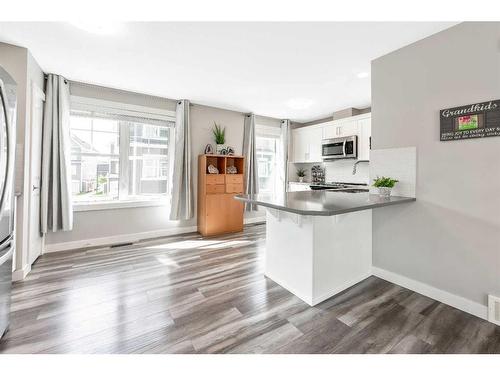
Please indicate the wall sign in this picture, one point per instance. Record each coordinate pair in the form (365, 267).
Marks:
(470, 121)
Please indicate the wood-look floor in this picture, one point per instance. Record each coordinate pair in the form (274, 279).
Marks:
(189, 294)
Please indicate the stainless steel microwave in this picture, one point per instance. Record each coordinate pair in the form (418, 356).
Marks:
(339, 148)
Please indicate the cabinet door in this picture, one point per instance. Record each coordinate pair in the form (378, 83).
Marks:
(330, 131)
(234, 214)
(299, 145)
(348, 128)
(216, 213)
(365, 132)
(314, 137)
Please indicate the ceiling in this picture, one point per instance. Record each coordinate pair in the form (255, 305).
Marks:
(300, 71)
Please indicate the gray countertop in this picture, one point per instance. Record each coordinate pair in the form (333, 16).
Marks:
(323, 202)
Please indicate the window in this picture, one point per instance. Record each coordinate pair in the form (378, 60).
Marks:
(116, 156)
(267, 143)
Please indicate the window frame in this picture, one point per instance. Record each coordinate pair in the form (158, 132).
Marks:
(273, 132)
(92, 104)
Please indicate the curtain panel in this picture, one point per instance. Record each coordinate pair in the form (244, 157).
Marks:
(182, 205)
(250, 154)
(56, 211)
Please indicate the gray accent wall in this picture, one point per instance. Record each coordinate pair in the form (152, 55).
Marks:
(450, 237)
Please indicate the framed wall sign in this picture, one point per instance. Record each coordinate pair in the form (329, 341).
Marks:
(470, 121)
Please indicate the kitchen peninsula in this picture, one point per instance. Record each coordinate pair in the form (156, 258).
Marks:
(319, 243)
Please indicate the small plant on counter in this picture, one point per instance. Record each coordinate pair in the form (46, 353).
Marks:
(301, 173)
(219, 134)
(384, 185)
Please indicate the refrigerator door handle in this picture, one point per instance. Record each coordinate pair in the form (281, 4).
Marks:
(3, 98)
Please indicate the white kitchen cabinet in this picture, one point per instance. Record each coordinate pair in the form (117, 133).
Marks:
(298, 186)
(306, 144)
(342, 128)
(365, 132)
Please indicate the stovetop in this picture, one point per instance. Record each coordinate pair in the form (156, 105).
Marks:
(336, 185)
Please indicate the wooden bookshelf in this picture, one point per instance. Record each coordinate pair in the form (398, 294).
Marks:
(218, 211)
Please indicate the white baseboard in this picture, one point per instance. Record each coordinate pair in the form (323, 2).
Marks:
(19, 275)
(113, 240)
(447, 298)
(133, 237)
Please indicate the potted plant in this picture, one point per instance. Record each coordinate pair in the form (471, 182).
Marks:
(220, 137)
(301, 173)
(384, 185)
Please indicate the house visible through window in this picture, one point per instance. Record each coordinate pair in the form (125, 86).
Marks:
(267, 142)
(116, 157)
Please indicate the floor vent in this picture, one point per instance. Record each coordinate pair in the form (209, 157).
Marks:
(494, 309)
(121, 244)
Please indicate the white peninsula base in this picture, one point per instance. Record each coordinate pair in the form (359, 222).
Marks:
(316, 257)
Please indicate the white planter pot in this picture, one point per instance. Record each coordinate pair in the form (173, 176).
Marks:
(384, 191)
(301, 179)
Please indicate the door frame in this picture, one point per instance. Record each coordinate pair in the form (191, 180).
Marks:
(36, 94)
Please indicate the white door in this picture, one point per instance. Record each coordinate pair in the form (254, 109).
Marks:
(35, 243)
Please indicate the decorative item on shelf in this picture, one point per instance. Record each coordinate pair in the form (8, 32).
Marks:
(384, 185)
(231, 170)
(209, 149)
(230, 150)
(212, 169)
(301, 173)
(223, 151)
(219, 137)
(317, 174)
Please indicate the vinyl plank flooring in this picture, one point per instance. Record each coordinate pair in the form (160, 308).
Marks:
(190, 294)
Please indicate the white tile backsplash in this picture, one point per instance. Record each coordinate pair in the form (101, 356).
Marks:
(341, 171)
(398, 163)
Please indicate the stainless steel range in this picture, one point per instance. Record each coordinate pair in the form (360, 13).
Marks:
(346, 187)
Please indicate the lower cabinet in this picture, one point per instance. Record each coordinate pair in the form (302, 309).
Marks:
(223, 214)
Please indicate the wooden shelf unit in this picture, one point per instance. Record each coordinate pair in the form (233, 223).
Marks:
(218, 211)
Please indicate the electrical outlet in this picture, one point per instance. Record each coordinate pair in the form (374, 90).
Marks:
(494, 309)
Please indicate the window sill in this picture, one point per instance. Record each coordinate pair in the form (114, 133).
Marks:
(116, 205)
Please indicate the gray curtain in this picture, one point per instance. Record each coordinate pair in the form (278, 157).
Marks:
(182, 185)
(56, 210)
(250, 154)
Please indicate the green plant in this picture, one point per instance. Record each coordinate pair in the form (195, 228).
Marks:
(384, 182)
(301, 172)
(219, 134)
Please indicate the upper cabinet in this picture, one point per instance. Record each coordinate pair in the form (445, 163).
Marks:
(340, 128)
(364, 138)
(306, 142)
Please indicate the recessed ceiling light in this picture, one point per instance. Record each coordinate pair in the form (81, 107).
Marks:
(98, 27)
(363, 75)
(300, 103)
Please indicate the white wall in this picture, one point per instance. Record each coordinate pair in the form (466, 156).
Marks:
(124, 222)
(450, 237)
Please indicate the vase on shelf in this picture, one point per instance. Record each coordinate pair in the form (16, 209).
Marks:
(301, 179)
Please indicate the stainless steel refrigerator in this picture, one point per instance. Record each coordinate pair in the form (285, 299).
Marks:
(8, 102)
